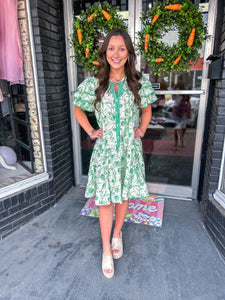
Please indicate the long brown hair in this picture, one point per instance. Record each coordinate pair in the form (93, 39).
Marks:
(132, 75)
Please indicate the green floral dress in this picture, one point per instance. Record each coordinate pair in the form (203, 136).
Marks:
(116, 170)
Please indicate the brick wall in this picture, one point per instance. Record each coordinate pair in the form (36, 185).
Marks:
(49, 39)
(19, 209)
(214, 214)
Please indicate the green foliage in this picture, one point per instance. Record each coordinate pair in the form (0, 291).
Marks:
(184, 21)
(91, 33)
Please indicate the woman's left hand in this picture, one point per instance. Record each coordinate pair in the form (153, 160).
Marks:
(138, 132)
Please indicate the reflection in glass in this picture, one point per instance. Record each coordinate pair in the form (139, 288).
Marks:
(169, 142)
(80, 5)
(191, 79)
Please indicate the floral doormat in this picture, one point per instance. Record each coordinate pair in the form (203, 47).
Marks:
(146, 211)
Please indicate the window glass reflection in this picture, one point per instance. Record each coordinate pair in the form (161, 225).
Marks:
(85, 4)
(169, 142)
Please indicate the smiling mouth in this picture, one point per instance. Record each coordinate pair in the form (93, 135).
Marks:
(116, 61)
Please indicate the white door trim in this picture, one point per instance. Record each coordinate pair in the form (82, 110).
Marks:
(72, 82)
(211, 27)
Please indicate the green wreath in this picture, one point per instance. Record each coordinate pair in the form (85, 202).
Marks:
(163, 17)
(98, 19)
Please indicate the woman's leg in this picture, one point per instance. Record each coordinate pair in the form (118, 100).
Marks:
(175, 137)
(120, 214)
(183, 130)
(106, 220)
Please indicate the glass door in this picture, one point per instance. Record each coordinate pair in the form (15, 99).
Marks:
(172, 151)
(82, 144)
(172, 143)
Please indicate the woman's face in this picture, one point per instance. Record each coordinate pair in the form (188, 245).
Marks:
(117, 53)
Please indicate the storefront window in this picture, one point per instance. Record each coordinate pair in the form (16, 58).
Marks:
(223, 181)
(219, 194)
(15, 135)
(20, 142)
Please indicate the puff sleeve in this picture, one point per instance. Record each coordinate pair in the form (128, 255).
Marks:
(147, 93)
(85, 95)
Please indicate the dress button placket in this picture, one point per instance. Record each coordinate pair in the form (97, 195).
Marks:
(117, 111)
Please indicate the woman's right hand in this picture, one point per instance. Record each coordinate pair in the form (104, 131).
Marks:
(97, 134)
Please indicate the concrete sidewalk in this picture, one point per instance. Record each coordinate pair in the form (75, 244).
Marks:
(57, 256)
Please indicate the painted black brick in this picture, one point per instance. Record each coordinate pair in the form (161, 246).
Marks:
(21, 197)
(21, 208)
(18, 208)
(215, 172)
(7, 203)
(214, 214)
(45, 205)
(10, 219)
(1, 206)
(23, 220)
(5, 229)
(14, 200)
(212, 186)
(217, 154)
(216, 162)
(220, 129)
(4, 214)
(50, 47)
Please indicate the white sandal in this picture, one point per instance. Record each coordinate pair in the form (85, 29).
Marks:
(107, 264)
(117, 244)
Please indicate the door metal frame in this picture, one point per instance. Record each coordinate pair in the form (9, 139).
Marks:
(176, 191)
(72, 83)
(211, 26)
(135, 8)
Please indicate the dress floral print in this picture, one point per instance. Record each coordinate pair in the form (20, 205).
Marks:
(116, 171)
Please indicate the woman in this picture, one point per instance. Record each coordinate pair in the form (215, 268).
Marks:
(116, 171)
(181, 114)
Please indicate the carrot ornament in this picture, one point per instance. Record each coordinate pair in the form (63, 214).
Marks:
(173, 6)
(176, 61)
(91, 17)
(157, 60)
(79, 32)
(191, 38)
(147, 37)
(79, 35)
(156, 16)
(87, 51)
(106, 15)
(96, 63)
(176, 6)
